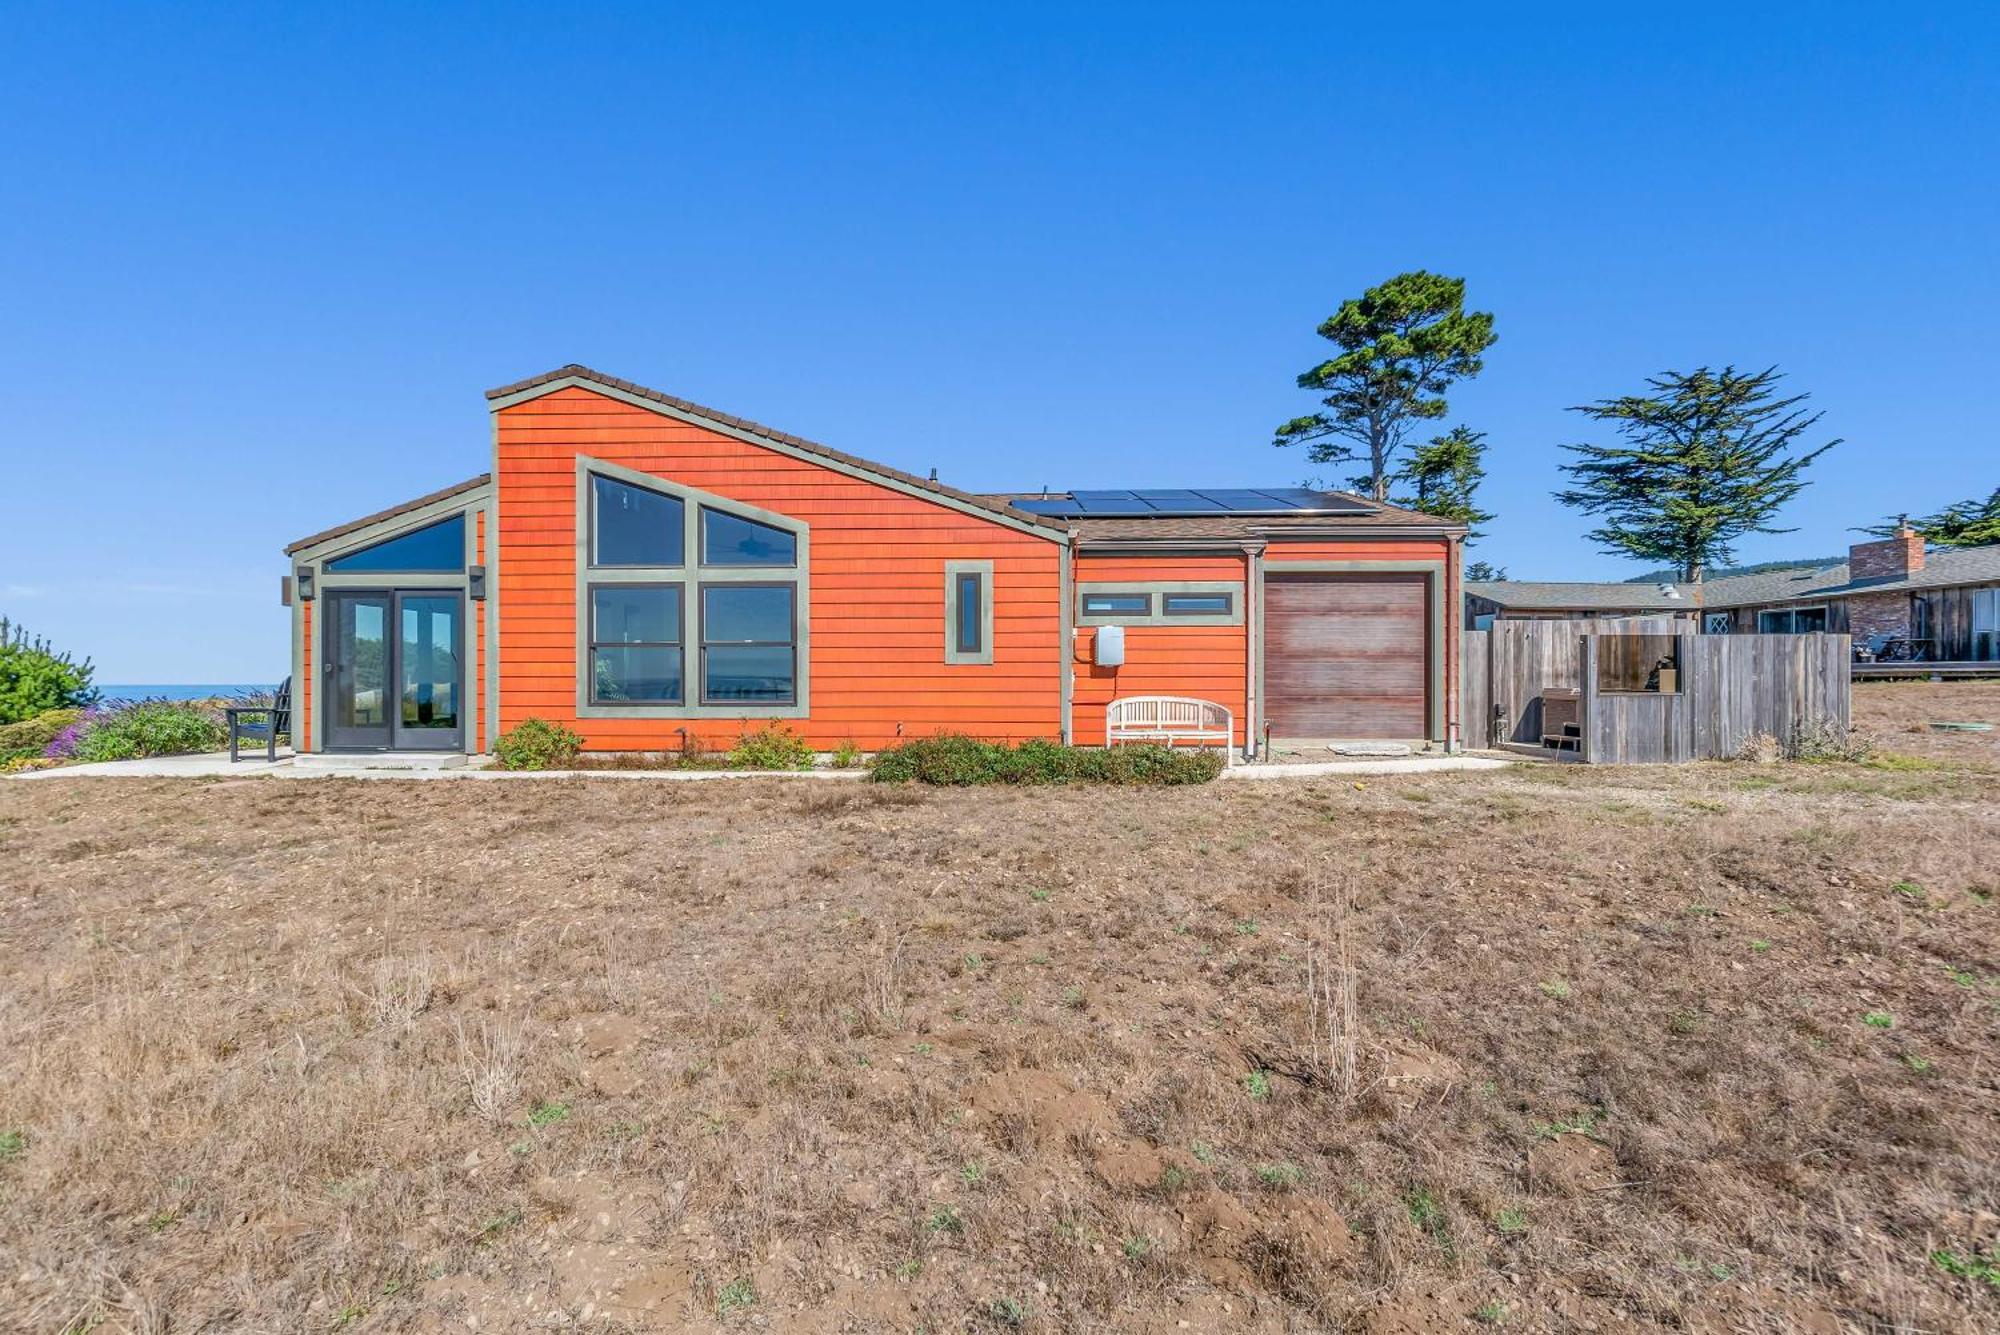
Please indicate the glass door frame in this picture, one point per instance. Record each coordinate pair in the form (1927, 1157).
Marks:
(392, 734)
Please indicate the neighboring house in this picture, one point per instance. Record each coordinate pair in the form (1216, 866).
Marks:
(1526, 600)
(1945, 602)
(646, 570)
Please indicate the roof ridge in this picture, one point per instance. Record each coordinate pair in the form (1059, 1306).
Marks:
(578, 371)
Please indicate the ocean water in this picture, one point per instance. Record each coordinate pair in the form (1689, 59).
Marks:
(182, 690)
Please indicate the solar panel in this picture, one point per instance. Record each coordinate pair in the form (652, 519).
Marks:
(1162, 501)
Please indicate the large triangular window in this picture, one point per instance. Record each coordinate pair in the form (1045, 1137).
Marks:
(688, 604)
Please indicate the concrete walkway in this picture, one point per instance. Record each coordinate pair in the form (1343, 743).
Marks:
(1307, 769)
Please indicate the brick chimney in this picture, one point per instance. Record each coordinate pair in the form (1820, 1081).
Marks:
(1891, 558)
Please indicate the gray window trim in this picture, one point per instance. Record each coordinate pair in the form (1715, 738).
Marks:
(701, 621)
(954, 571)
(1155, 592)
(692, 575)
(592, 644)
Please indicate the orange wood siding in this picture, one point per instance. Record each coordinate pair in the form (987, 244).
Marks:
(475, 713)
(877, 585)
(1207, 662)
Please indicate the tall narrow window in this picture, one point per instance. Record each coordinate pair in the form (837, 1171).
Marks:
(971, 598)
(968, 611)
(749, 644)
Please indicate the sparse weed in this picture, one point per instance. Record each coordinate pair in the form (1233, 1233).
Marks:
(1246, 927)
(1280, 1175)
(1979, 1265)
(1511, 1222)
(945, 1219)
(13, 1144)
(1137, 1247)
(1556, 988)
(1257, 1085)
(547, 1113)
(1879, 1020)
(737, 1295)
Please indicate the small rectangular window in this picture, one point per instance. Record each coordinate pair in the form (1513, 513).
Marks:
(1197, 604)
(967, 630)
(1641, 663)
(1117, 604)
(635, 644)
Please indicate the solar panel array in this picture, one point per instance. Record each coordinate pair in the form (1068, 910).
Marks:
(1162, 502)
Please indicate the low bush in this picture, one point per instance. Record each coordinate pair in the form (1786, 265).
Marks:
(144, 728)
(35, 679)
(30, 738)
(536, 743)
(773, 746)
(956, 760)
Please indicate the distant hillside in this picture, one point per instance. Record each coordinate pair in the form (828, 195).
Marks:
(1804, 563)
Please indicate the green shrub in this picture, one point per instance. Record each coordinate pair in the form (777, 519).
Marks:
(35, 678)
(29, 738)
(536, 743)
(773, 746)
(956, 760)
(151, 728)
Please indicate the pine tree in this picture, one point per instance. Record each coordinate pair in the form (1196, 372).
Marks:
(1973, 523)
(1402, 345)
(1707, 458)
(1442, 475)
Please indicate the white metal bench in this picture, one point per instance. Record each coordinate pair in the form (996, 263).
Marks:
(1169, 719)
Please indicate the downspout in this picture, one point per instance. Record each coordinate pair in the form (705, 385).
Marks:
(1066, 660)
(1253, 630)
(1454, 642)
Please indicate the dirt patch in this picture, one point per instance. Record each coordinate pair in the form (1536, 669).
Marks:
(1703, 1049)
(1896, 717)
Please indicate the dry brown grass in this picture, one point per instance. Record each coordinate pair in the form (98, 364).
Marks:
(601, 1055)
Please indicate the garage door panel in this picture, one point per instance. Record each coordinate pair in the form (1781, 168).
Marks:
(1347, 655)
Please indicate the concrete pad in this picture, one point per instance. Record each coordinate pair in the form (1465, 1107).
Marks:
(208, 765)
(1413, 765)
(351, 762)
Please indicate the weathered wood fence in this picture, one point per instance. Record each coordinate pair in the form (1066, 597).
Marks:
(1727, 688)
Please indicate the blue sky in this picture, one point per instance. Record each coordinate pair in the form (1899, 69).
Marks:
(257, 265)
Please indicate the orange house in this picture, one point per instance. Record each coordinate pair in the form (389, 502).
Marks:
(645, 570)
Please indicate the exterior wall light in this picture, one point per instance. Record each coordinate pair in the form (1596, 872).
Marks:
(475, 583)
(302, 580)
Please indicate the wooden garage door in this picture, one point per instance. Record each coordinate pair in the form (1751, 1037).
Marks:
(1347, 655)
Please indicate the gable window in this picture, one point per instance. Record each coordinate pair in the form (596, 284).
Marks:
(631, 526)
(434, 549)
(727, 540)
(749, 651)
(968, 611)
(689, 605)
(635, 643)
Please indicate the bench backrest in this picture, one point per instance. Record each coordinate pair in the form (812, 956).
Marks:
(1167, 712)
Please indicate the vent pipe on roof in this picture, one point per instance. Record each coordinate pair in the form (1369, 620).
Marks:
(933, 474)
(1669, 591)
